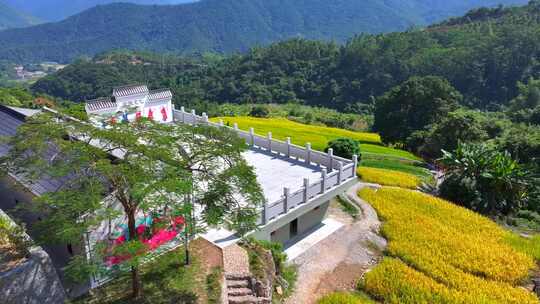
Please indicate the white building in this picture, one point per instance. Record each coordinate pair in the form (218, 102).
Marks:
(128, 103)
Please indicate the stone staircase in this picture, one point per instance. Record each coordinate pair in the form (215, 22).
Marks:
(238, 279)
(239, 290)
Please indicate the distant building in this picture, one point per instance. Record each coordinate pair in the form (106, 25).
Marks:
(129, 103)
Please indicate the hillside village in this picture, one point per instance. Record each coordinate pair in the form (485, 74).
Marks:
(397, 167)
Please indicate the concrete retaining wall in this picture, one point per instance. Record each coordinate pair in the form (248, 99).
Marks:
(34, 281)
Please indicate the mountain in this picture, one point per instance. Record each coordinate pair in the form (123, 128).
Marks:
(483, 54)
(217, 25)
(11, 17)
(56, 10)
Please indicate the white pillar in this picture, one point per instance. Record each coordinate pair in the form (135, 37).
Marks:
(235, 126)
(252, 136)
(269, 137)
(286, 193)
(323, 183)
(330, 160)
(264, 213)
(288, 143)
(308, 153)
(182, 110)
(355, 161)
(306, 187)
(205, 118)
(340, 172)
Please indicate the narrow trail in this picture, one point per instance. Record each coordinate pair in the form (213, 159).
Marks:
(337, 262)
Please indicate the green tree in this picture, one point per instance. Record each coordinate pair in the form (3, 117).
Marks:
(144, 166)
(484, 179)
(411, 106)
(526, 106)
(259, 111)
(344, 147)
(459, 126)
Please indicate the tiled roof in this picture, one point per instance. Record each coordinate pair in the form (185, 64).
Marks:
(130, 90)
(9, 122)
(100, 104)
(159, 94)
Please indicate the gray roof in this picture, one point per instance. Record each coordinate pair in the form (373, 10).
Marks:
(130, 90)
(99, 104)
(159, 95)
(10, 120)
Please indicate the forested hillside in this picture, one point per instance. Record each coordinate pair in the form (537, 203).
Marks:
(219, 25)
(56, 10)
(10, 17)
(484, 55)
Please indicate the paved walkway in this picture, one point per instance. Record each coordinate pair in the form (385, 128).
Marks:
(311, 239)
(339, 261)
(235, 260)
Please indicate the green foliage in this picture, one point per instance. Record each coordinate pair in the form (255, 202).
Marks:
(16, 97)
(526, 106)
(459, 126)
(213, 286)
(222, 176)
(11, 17)
(224, 26)
(345, 298)
(484, 179)
(472, 53)
(347, 206)
(283, 270)
(165, 279)
(259, 111)
(344, 147)
(522, 141)
(412, 106)
(14, 236)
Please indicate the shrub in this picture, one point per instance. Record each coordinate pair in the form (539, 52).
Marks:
(448, 254)
(14, 236)
(388, 177)
(259, 111)
(484, 179)
(344, 147)
(213, 286)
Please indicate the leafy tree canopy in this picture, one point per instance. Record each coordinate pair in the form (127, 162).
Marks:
(412, 106)
(344, 147)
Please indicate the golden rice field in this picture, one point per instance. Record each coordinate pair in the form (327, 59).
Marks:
(318, 136)
(443, 253)
(388, 177)
(345, 298)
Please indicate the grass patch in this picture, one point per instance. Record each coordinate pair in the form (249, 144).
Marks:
(388, 177)
(405, 166)
(346, 298)
(348, 207)
(213, 286)
(165, 280)
(444, 253)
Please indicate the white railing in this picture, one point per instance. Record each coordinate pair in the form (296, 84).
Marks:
(335, 171)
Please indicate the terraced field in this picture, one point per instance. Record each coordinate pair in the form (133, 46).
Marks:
(442, 253)
(374, 154)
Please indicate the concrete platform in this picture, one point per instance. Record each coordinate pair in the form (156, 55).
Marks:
(274, 172)
(300, 244)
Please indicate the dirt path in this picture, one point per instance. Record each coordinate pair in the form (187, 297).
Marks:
(337, 262)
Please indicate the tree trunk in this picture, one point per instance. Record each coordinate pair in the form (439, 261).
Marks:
(187, 259)
(135, 278)
(135, 282)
